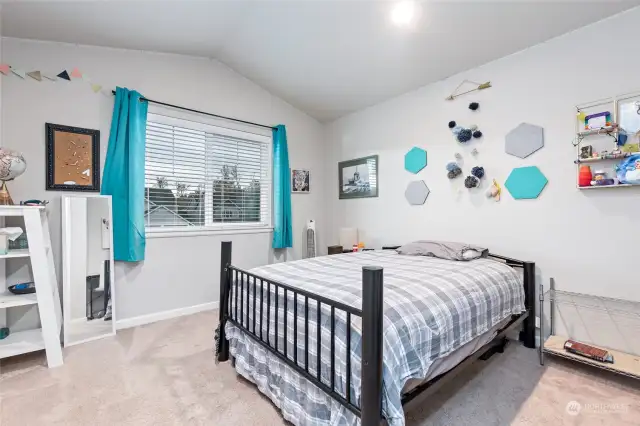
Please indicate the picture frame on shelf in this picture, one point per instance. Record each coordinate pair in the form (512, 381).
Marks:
(73, 158)
(300, 181)
(358, 178)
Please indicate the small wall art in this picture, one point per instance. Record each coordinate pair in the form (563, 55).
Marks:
(524, 140)
(300, 181)
(525, 182)
(358, 178)
(73, 158)
(415, 160)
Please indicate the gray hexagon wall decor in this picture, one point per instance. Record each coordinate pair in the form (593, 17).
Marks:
(524, 140)
(417, 192)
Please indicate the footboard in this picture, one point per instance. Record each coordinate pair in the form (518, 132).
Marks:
(245, 297)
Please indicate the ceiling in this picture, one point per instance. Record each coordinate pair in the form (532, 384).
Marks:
(326, 57)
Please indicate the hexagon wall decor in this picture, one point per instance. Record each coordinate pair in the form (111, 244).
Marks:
(525, 182)
(417, 192)
(524, 140)
(415, 160)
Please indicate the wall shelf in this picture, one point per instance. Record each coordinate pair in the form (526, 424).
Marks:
(599, 159)
(15, 253)
(621, 185)
(10, 300)
(21, 342)
(600, 131)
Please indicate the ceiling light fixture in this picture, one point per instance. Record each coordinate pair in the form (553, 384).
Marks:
(403, 13)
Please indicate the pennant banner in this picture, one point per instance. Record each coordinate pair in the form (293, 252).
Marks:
(64, 75)
(18, 72)
(76, 73)
(36, 75)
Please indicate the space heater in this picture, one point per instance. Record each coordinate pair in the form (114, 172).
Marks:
(311, 239)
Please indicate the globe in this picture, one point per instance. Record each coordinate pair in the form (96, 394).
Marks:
(12, 164)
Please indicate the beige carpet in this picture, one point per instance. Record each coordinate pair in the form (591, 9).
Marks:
(164, 374)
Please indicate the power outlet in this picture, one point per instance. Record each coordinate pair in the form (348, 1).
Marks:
(537, 322)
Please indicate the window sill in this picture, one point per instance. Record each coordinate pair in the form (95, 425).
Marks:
(199, 232)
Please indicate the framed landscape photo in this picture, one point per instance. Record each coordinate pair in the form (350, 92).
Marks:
(358, 178)
(73, 158)
(300, 181)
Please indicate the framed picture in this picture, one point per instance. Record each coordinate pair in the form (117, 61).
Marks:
(358, 178)
(300, 183)
(73, 158)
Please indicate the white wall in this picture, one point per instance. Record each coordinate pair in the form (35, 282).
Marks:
(178, 272)
(587, 240)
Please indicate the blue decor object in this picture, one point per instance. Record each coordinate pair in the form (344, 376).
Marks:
(452, 124)
(415, 160)
(123, 176)
(282, 222)
(464, 135)
(451, 166)
(478, 172)
(525, 182)
(457, 129)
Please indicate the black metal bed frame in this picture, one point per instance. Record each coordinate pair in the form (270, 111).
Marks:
(370, 408)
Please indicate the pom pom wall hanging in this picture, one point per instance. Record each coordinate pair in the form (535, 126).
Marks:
(478, 172)
(464, 136)
(473, 86)
(471, 182)
(494, 191)
(474, 106)
(453, 170)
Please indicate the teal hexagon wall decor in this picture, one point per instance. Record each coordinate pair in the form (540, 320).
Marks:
(525, 182)
(415, 160)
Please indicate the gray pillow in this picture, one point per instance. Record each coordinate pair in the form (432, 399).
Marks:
(443, 250)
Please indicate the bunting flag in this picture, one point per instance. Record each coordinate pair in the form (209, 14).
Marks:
(36, 75)
(64, 75)
(76, 73)
(18, 72)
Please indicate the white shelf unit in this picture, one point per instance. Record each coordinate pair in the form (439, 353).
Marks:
(606, 136)
(46, 298)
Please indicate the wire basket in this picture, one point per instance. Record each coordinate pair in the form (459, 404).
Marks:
(19, 243)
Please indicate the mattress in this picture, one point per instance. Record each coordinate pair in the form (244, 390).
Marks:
(432, 308)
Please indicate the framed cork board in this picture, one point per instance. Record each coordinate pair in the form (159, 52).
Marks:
(73, 158)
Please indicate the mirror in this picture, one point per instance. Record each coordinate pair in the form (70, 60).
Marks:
(87, 262)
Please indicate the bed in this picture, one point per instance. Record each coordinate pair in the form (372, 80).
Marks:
(380, 345)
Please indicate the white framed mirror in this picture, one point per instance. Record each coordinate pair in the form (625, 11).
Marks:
(87, 268)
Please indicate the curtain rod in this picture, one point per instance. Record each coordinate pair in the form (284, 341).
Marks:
(142, 98)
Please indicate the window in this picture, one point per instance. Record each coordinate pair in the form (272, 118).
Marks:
(199, 176)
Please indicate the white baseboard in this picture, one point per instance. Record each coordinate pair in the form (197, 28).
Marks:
(159, 316)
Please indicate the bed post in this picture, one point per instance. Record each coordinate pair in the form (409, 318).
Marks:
(225, 261)
(528, 333)
(372, 312)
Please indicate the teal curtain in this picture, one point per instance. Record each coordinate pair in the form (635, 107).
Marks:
(123, 176)
(282, 229)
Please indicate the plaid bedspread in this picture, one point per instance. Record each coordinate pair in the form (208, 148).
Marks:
(431, 308)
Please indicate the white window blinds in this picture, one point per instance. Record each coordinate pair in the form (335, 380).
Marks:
(198, 175)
